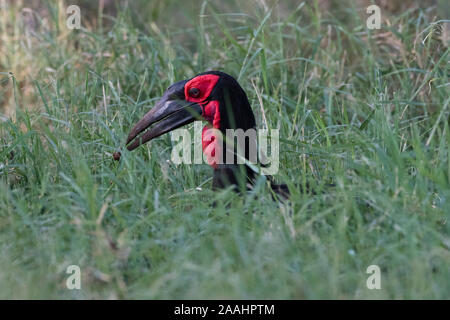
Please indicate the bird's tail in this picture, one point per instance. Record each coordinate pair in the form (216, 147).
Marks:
(282, 190)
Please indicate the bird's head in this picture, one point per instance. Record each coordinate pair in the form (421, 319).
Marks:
(213, 96)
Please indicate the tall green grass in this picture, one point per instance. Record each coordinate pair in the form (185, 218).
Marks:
(365, 109)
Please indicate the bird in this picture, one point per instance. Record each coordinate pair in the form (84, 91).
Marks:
(217, 98)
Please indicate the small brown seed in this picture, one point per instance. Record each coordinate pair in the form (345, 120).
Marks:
(116, 155)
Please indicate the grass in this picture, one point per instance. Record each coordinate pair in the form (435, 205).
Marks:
(365, 109)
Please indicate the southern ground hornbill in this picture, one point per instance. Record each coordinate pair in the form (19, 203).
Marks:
(217, 98)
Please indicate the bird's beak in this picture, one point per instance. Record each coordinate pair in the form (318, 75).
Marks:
(165, 116)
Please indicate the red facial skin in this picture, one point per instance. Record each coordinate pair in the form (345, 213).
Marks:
(210, 112)
(204, 83)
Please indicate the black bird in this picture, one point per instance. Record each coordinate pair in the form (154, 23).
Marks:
(216, 97)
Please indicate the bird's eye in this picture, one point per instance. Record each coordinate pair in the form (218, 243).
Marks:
(194, 92)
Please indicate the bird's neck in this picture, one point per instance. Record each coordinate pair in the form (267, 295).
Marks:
(220, 118)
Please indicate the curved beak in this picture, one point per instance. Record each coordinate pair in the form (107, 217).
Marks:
(165, 116)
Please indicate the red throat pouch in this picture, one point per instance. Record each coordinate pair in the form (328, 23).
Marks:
(212, 145)
(211, 141)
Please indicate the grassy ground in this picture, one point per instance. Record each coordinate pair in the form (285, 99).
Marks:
(365, 109)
